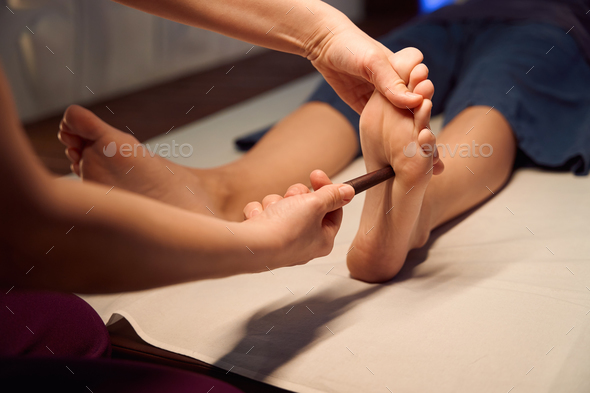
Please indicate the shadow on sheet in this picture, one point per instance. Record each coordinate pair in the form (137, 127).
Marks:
(293, 331)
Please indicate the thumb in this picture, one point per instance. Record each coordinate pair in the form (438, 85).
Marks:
(388, 82)
(333, 196)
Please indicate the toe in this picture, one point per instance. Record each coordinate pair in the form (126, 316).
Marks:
(422, 115)
(404, 62)
(427, 138)
(75, 168)
(427, 142)
(425, 89)
(83, 123)
(73, 154)
(418, 74)
(437, 164)
(70, 140)
(438, 168)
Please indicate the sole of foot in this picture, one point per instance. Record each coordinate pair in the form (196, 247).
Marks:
(394, 218)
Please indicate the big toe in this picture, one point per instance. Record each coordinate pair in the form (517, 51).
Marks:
(85, 124)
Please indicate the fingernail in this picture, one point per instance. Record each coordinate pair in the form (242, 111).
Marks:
(413, 95)
(255, 212)
(346, 192)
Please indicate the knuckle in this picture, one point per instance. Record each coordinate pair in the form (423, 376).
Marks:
(316, 203)
(334, 196)
(372, 55)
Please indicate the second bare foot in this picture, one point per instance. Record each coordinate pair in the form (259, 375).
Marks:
(94, 148)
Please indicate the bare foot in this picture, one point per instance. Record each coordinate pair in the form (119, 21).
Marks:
(394, 219)
(94, 148)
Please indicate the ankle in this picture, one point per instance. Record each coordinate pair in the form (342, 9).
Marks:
(220, 183)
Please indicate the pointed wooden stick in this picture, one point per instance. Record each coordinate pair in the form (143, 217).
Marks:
(364, 182)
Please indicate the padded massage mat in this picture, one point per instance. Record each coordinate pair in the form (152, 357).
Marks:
(497, 301)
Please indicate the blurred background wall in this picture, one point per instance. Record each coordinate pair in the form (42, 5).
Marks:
(110, 49)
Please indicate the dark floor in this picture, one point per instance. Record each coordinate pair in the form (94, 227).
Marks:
(154, 110)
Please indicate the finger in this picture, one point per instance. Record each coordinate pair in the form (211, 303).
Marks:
(418, 74)
(425, 89)
(390, 83)
(297, 189)
(319, 179)
(270, 199)
(252, 209)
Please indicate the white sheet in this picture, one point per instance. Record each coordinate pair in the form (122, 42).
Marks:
(498, 300)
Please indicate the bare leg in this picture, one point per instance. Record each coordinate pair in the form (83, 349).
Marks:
(315, 136)
(458, 189)
(286, 155)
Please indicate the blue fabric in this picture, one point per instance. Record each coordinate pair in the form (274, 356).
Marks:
(570, 15)
(484, 62)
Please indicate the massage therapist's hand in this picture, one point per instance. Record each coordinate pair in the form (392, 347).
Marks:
(354, 64)
(301, 225)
